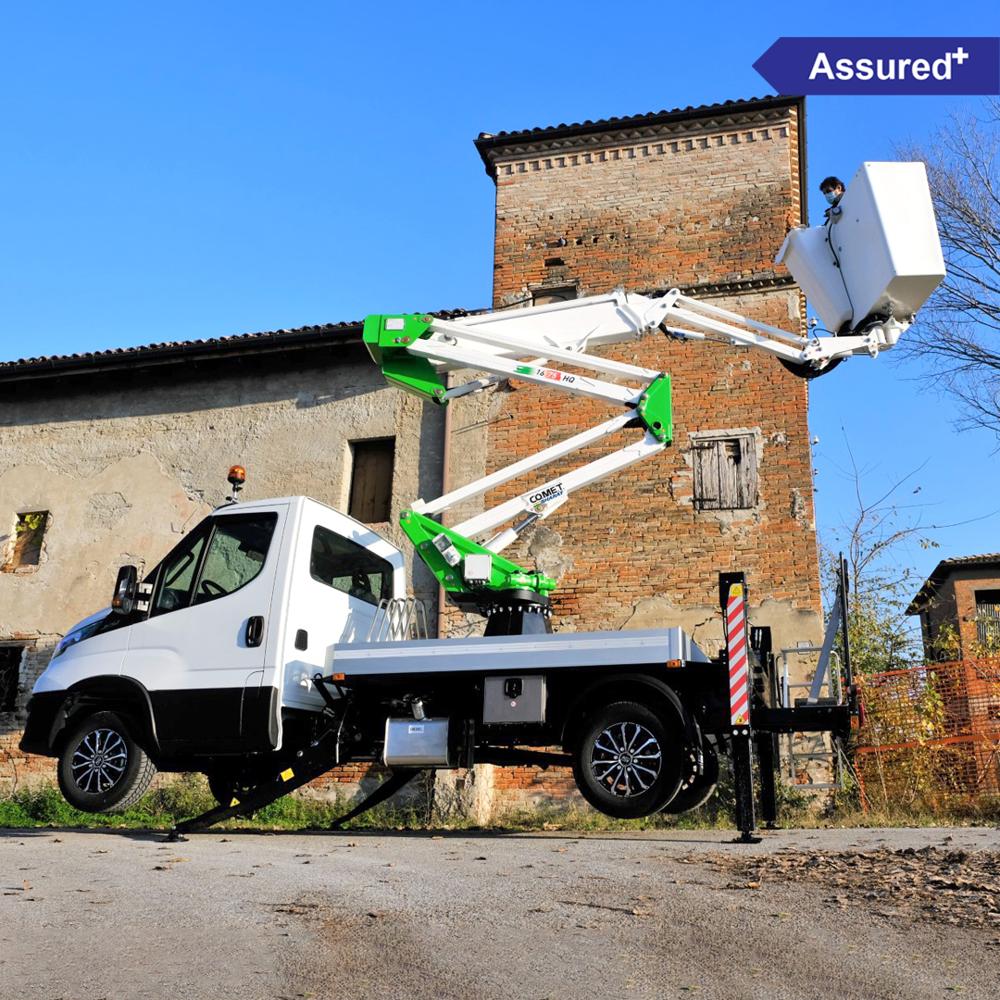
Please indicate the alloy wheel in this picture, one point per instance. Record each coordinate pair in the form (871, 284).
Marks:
(626, 759)
(99, 761)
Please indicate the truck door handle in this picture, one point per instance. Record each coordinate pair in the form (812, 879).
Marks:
(255, 630)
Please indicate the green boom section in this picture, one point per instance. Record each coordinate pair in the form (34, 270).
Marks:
(387, 339)
(505, 575)
(656, 411)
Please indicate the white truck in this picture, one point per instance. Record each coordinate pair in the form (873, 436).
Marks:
(276, 640)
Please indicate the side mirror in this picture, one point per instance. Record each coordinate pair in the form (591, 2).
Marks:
(126, 591)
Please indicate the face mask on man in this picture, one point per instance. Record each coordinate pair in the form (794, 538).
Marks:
(831, 197)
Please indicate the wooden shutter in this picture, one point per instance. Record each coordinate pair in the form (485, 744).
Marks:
(371, 479)
(725, 473)
(27, 545)
(707, 495)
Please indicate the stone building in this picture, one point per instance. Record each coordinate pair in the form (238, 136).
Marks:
(121, 452)
(106, 458)
(959, 608)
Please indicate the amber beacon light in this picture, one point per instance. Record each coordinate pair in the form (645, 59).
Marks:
(237, 477)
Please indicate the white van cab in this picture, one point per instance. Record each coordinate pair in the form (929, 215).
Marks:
(215, 661)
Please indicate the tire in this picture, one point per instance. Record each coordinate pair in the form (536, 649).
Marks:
(101, 766)
(699, 789)
(611, 776)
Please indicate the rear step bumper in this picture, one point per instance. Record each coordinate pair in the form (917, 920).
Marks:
(802, 719)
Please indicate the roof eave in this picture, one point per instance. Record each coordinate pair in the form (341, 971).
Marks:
(941, 572)
(187, 351)
(249, 345)
(486, 144)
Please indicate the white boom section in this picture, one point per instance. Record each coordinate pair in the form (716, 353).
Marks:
(496, 343)
(866, 272)
(563, 330)
(523, 343)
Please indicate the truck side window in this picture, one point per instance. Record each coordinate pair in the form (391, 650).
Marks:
(351, 568)
(237, 546)
(235, 554)
(177, 575)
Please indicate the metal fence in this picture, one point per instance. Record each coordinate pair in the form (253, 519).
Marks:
(930, 737)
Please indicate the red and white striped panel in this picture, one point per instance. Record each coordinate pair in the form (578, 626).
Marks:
(739, 663)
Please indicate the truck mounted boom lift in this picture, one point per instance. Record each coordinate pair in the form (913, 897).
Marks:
(276, 640)
(868, 280)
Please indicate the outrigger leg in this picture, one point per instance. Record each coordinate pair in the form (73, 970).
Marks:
(397, 778)
(309, 764)
(742, 756)
(733, 599)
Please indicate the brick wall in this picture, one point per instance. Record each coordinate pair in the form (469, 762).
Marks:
(705, 204)
(637, 534)
(967, 584)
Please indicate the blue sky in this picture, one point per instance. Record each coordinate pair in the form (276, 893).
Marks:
(190, 170)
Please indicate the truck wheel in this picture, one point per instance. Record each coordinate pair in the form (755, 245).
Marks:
(101, 767)
(700, 789)
(627, 762)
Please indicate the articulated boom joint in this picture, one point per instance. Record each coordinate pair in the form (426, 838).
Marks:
(389, 339)
(655, 409)
(463, 566)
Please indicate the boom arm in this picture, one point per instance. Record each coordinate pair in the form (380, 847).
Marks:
(416, 352)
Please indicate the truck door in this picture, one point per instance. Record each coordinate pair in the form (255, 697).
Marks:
(342, 569)
(201, 652)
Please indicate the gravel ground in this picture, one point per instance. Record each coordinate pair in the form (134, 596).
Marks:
(860, 914)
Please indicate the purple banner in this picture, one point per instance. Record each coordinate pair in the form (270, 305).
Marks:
(882, 65)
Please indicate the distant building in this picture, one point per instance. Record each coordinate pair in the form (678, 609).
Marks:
(959, 608)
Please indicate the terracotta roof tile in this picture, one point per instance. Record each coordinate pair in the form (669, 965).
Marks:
(115, 352)
(625, 120)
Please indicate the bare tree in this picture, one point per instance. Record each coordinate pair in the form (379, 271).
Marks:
(880, 580)
(958, 332)
(884, 521)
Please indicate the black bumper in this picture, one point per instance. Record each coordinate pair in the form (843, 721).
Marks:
(803, 719)
(45, 722)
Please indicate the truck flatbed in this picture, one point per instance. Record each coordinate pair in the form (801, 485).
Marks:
(552, 651)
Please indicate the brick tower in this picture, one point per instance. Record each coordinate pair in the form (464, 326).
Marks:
(698, 199)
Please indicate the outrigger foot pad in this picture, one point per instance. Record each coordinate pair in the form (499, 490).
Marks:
(397, 779)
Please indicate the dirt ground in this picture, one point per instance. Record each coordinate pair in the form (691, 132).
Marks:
(851, 913)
